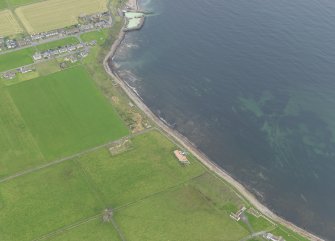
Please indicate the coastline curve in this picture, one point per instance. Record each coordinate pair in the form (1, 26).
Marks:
(179, 139)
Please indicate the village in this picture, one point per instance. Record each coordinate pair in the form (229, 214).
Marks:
(68, 53)
(86, 23)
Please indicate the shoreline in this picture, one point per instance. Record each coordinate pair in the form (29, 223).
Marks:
(188, 145)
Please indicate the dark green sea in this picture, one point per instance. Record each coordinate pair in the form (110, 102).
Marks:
(252, 84)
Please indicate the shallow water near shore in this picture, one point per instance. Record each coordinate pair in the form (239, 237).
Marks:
(251, 83)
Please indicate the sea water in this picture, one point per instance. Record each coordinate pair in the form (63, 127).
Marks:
(252, 84)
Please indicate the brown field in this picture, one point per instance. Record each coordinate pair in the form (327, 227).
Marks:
(8, 24)
(54, 14)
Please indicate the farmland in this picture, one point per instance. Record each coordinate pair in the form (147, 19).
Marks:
(16, 140)
(58, 173)
(15, 3)
(150, 191)
(8, 24)
(54, 14)
(67, 113)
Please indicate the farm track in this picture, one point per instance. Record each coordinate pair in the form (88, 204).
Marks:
(79, 154)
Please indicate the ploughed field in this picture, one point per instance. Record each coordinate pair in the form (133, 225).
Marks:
(35, 16)
(54, 14)
(8, 24)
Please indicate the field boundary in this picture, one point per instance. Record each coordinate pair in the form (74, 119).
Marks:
(79, 154)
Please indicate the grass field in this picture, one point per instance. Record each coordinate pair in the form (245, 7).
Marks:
(48, 67)
(66, 113)
(151, 192)
(43, 201)
(100, 36)
(54, 14)
(58, 43)
(18, 147)
(16, 59)
(93, 230)
(3, 5)
(8, 24)
(181, 214)
(148, 168)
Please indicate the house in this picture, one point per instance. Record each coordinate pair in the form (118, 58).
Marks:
(84, 54)
(71, 48)
(46, 55)
(23, 42)
(54, 52)
(79, 46)
(71, 31)
(36, 36)
(62, 50)
(73, 59)
(37, 56)
(181, 157)
(25, 70)
(9, 75)
(11, 44)
(51, 34)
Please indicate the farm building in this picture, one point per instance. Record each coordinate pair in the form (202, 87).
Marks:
(181, 157)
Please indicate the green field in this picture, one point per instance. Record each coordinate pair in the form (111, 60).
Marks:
(48, 67)
(16, 59)
(3, 5)
(18, 147)
(100, 36)
(58, 43)
(148, 168)
(150, 191)
(93, 230)
(66, 113)
(48, 199)
(181, 214)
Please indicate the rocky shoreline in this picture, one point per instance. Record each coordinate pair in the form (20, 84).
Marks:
(186, 144)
